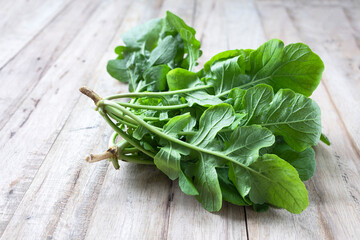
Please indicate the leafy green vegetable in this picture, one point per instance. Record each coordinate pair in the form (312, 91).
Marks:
(163, 41)
(303, 162)
(240, 130)
(294, 66)
(288, 114)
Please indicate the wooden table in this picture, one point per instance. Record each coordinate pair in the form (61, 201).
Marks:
(48, 49)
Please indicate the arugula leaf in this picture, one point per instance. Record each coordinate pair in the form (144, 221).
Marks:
(228, 190)
(163, 41)
(168, 158)
(155, 78)
(288, 114)
(303, 162)
(225, 74)
(245, 143)
(191, 44)
(325, 139)
(206, 180)
(215, 129)
(186, 185)
(144, 36)
(295, 67)
(179, 78)
(165, 51)
(274, 181)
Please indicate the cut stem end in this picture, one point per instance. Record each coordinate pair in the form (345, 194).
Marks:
(110, 153)
(91, 94)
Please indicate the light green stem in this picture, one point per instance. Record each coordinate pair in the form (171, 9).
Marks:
(156, 94)
(124, 135)
(172, 139)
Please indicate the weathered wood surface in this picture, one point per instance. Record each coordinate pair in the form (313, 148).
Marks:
(50, 48)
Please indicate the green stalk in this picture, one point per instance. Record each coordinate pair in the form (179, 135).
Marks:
(155, 94)
(136, 106)
(124, 122)
(124, 135)
(172, 139)
(242, 86)
(130, 150)
(135, 159)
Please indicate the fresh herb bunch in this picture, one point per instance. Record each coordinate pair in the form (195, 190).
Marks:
(240, 130)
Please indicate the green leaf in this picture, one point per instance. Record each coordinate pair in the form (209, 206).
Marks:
(155, 78)
(256, 100)
(289, 114)
(202, 98)
(295, 67)
(206, 180)
(179, 78)
(118, 69)
(237, 94)
(303, 162)
(165, 52)
(228, 190)
(273, 180)
(245, 143)
(186, 185)
(176, 124)
(169, 156)
(226, 75)
(211, 122)
(325, 139)
(221, 56)
(191, 44)
(207, 183)
(144, 36)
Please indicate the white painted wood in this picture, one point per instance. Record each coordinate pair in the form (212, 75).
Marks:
(23, 23)
(333, 191)
(330, 34)
(187, 218)
(30, 133)
(21, 74)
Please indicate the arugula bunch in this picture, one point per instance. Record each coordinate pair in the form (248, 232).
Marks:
(240, 130)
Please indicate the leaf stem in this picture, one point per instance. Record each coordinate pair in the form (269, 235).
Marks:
(172, 139)
(241, 86)
(111, 152)
(128, 138)
(91, 94)
(156, 94)
(149, 107)
(136, 159)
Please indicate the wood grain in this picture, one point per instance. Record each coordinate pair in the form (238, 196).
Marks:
(32, 130)
(22, 22)
(229, 222)
(333, 191)
(23, 72)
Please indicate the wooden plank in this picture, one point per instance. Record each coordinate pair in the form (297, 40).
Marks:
(353, 16)
(187, 218)
(23, 23)
(135, 206)
(141, 203)
(333, 191)
(60, 200)
(32, 130)
(21, 74)
(336, 45)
